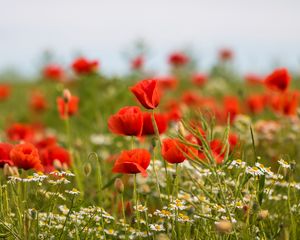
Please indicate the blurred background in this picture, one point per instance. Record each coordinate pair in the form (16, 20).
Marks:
(262, 34)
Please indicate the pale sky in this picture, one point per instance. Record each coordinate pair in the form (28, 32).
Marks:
(260, 31)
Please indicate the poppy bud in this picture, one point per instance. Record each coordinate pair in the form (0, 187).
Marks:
(57, 164)
(10, 170)
(87, 169)
(180, 128)
(67, 95)
(119, 186)
(263, 214)
(223, 226)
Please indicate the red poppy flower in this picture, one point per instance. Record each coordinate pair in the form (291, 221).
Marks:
(137, 63)
(178, 59)
(231, 107)
(279, 80)
(84, 66)
(26, 156)
(4, 92)
(67, 107)
(54, 152)
(225, 54)
(38, 102)
(132, 162)
(256, 103)
(54, 72)
(191, 98)
(199, 79)
(20, 131)
(46, 142)
(127, 121)
(167, 82)
(5, 149)
(173, 151)
(161, 122)
(147, 93)
(286, 103)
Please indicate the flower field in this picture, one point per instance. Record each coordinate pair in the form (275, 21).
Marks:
(188, 155)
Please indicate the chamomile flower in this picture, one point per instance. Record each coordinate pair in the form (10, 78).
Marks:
(284, 164)
(157, 227)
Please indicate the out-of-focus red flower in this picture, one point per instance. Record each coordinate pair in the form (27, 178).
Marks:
(46, 142)
(191, 98)
(225, 54)
(147, 93)
(137, 63)
(20, 132)
(4, 91)
(286, 103)
(173, 110)
(53, 72)
(132, 162)
(178, 59)
(253, 79)
(233, 140)
(173, 151)
(231, 107)
(256, 103)
(26, 156)
(161, 122)
(278, 80)
(52, 153)
(38, 102)
(5, 149)
(167, 82)
(67, 107)
(127, 121)
(199, 79)
(84, 66)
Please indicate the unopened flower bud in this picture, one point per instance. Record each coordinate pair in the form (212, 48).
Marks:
(57, 164)
(223, 226)
(10, 170)
(119, 186)
(263, 214)
(67, 95)
(181, 129)
(87, 169)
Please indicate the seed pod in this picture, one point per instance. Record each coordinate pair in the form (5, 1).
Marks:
(223, 226)
(119, 186)
(87, 169)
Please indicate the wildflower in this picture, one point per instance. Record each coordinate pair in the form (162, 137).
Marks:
(237, 163)
(173, 151)
(225, 54)
(53, 72)
(74, 191)
(55, 154)
(141, 208)
(278, 80)
(5, 149)
(38, 102)
(132, 162)
(167, 82)
(164, 213)
(254, 171)
(157, 227)
(137, 63)
(127, 121)
(284, 164)
(20, 131)
(119, 186)
(184, 218)
(26, 156)
(160, 120)
(111, 232)
(84, 66)
(147, 93)
(263, 214)
(4, 91)
(67, 108)
(199, 79)
(178, 204)
(178, 59)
